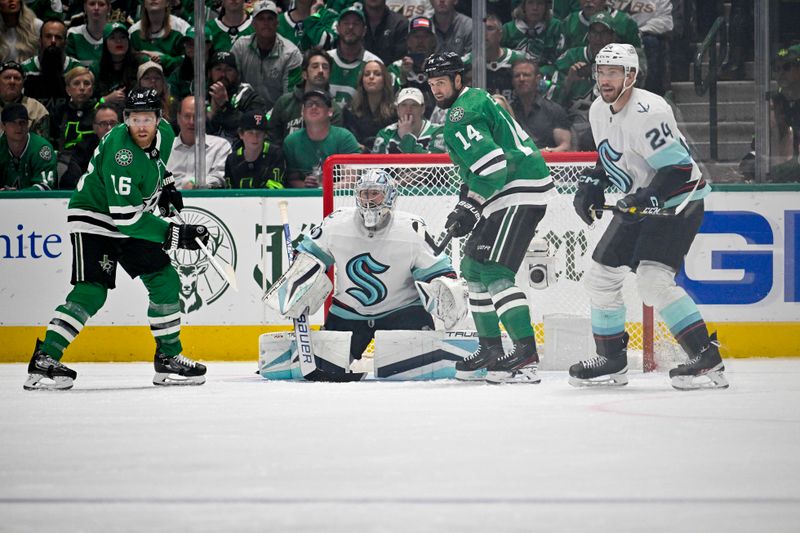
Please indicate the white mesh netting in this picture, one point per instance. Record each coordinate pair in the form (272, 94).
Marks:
(429, 187)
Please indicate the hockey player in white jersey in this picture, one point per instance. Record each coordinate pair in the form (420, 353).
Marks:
(642, 153)
(388, 277)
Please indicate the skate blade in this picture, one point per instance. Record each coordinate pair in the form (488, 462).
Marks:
(471, 375)
(526, 374)
(40, 382)
(165, 379)
(713, 379)
(610, 380)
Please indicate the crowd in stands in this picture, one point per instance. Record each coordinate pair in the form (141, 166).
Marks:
(292, 82)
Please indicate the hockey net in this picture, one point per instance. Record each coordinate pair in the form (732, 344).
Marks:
(429, 185)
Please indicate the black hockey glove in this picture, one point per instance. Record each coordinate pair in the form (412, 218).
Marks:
(466, 214)
(589, 199)
(643, 200)
(183, 236)
(170, 196)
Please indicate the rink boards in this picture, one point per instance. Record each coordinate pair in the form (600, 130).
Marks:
(742, 270)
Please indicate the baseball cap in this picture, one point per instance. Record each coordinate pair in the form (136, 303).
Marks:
(222, 58)
(111, 27)
(13, 112)
(12, 65)
(421, 23)
(410, 93)
(352, 9)
(144, 67)
(253, 121)
(316, 93)
(605, 19)
(264, 5)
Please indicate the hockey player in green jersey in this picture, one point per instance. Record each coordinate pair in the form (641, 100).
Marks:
(111, 221)
(27, 160)
(506, 186)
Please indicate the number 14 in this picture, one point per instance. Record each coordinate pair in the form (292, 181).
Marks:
(472, 134)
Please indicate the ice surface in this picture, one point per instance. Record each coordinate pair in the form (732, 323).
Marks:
(244, 454)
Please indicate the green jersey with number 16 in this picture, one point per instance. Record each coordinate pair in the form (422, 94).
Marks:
(496, 158)
(118, 193)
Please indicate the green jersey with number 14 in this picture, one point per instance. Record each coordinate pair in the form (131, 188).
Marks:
(496, 158)
(118, 193)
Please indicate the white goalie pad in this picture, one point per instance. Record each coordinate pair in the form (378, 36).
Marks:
(304, 286)
(445, 299)
(278, 358)
(410, 355)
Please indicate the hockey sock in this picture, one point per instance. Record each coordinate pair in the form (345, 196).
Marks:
(608, 327)
(510, 302)
(164, 310)
(487, 323)
(83, 301)
(684, 321)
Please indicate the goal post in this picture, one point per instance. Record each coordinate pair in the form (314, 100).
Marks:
(428, 186)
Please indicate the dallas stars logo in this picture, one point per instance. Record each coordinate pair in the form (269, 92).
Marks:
(106, 264)
(123, 157)
(456, 114)
(45, 153)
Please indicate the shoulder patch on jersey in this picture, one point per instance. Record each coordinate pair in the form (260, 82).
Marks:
(46, 153)
(643, 108)
(316, 232)
(123, 157)
(456, 114)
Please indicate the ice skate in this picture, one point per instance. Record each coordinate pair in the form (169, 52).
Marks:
(600, 370)
(518, 366)
(473, 367)
(45, 373)
(178, 370)
(703, 371)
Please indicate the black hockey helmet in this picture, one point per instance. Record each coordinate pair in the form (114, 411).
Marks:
(143, 100)
(444, 64)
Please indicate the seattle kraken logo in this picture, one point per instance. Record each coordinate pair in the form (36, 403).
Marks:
(608, 157)
(361, 270)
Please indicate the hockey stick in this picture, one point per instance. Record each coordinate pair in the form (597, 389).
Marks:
(439, 248)
(302, 332)
(654, 211)
(223, 269)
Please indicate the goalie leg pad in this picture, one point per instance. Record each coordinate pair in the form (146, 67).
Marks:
(410, 355)
(278, 358)
(304, 286)
(445, 298)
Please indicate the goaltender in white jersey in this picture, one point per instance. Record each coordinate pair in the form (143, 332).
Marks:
(387, 274)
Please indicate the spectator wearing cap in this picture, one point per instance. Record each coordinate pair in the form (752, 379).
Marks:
(228, 97)
(150, 75)
(412, 133)
(181, 162)
(545, 121)
(306, 149)
(576, 26)
(44, 73)
(267, 61)
(232, 23)
(372, 107)
(104, 117)
(386, 31)
(535, 32)
(11, 81)
(85, 41)
(27, 160)
(453, 29)
(118, 69)
(499, 60)
(158, 34)
(19, 32)
(572, 85)
(73, 119)
(181, 81)
(349, 56)
(257, 163)
(287, 114)
(409, 71)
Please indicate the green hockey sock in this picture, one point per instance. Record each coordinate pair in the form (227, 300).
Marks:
(164, 310)
(83, 301)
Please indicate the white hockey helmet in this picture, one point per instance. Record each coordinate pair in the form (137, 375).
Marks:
(375, 193)
(618, 55)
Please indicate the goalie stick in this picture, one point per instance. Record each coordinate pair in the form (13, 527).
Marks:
(439, 248)
(223, 269)
(302, 328)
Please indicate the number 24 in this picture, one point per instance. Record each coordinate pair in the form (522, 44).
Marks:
(656, 141)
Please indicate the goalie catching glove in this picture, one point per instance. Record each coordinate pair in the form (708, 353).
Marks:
(444, 298)
(303, 287)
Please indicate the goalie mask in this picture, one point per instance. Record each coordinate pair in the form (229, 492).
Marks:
(375, 195)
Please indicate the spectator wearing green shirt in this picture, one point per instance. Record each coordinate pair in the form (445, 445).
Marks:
(158, 35)
(306, 149)
(499, 60)
(27, 160)
(535, 32)
(576, 25)
(85, 42)
(233, 22)
(412, 133)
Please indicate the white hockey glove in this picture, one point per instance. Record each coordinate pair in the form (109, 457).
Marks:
(304, 286)
(445, 298)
